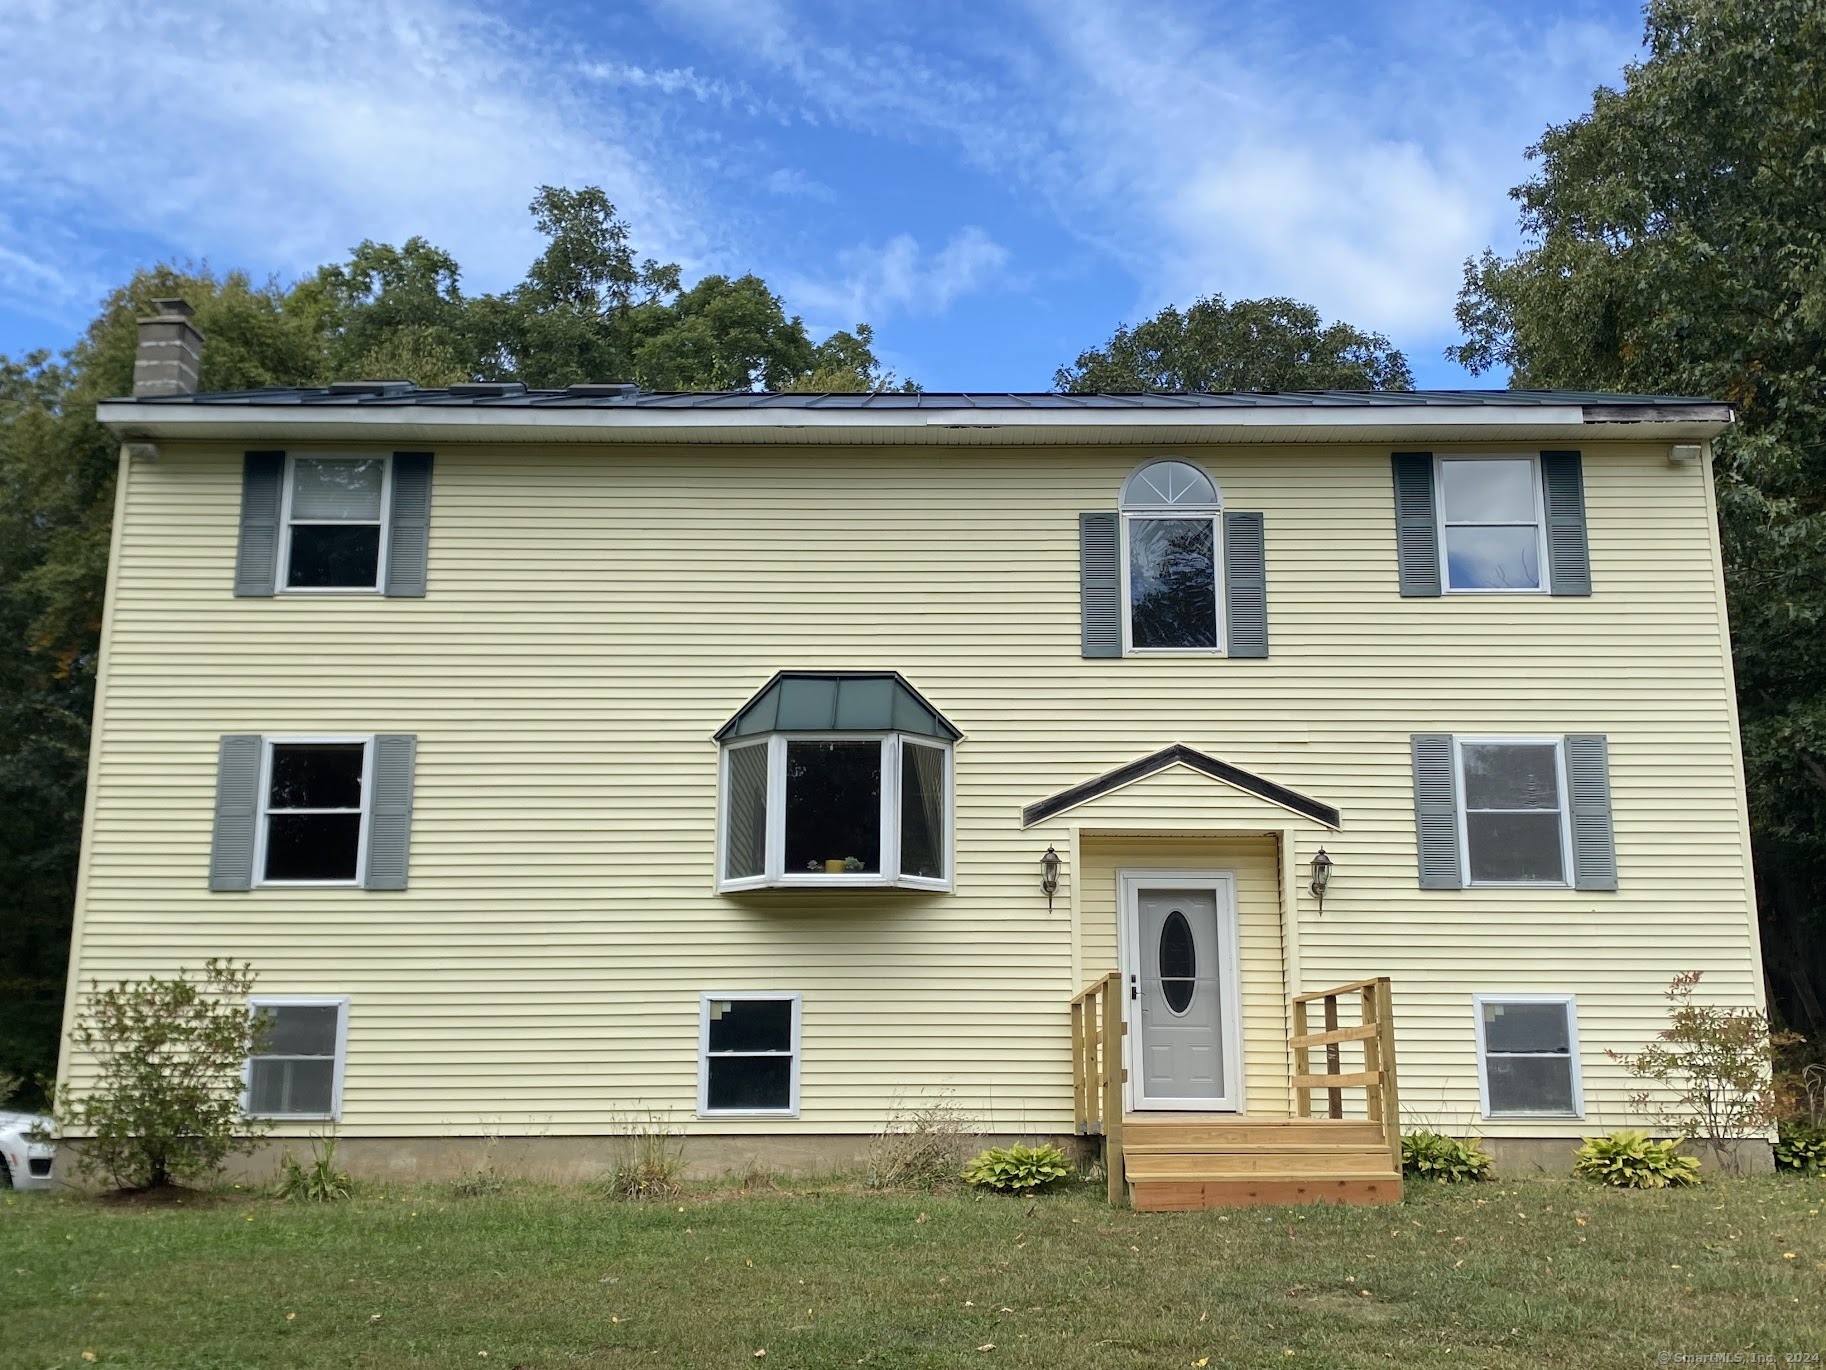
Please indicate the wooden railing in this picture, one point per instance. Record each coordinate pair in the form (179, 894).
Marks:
(1374, 1032)
(1097, 1074)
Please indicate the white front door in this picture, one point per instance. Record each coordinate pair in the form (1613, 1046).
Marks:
(1181, 985)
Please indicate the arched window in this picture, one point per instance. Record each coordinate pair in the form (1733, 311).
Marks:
(1172, 551)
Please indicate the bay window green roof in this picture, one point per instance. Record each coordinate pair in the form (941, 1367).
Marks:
(838, 702)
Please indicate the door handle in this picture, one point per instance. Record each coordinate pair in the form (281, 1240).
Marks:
(1134, 986)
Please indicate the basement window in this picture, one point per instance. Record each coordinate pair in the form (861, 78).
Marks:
(295, 1070)
(1528, 1054)
(836, 781)
(748, 1054)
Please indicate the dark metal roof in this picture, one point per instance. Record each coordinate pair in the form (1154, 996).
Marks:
(512, 395)
(837, 702)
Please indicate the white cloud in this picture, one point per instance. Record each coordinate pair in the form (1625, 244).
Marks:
(898, 277)
(792, 182)
(277, 135)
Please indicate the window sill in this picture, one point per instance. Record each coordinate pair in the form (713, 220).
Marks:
(294, 1117)
(1175, 651)
(1541, 592)
(1517, 885)
(307, 885)
(1534, 1117)
(835, 882)
(714, 1113)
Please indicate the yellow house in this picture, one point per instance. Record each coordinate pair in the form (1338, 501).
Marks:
(768, 763)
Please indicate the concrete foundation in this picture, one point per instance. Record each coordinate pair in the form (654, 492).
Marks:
(1530, 1156)
(572, 1160)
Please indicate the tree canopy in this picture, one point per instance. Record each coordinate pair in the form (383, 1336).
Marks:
(1267, 344)
(587, 310)
(1675, 242)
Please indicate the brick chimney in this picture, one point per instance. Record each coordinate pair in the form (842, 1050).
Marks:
(170, 351)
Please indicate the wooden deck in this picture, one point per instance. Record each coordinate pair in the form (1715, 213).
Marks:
(1175, 1161)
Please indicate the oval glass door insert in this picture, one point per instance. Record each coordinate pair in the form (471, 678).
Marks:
(1178, 962)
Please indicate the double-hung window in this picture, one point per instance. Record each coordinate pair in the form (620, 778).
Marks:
(295, 1069)
(1172, 555)
(1512, 810)
(748, 1053)
(1492, 528)
(836, 779)
(314, 810)
(335, 527)
(1528, 1055)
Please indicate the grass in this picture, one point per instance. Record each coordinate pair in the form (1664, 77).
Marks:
(1541, 1272)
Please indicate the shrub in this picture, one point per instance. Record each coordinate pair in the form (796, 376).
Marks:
(319, 1182)
(1801, 1146)
(922, 1147)
(1715, 1062)
(165, 1101)
(1448, 1160)
(9, 1085)
(651, 1162)
(1018, 1169)
(1630, 1160)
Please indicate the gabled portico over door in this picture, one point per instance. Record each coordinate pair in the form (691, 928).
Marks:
(1178, 946)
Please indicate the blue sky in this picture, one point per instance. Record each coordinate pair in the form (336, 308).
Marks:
(993, 185)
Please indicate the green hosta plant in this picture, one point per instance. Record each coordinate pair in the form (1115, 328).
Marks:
(1018, 1169)
(1449, 1160)
(1631, 1160)
(1801, 1146)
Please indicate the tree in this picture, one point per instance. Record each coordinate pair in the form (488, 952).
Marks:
(1675, 242)
(1268, 344)
(165, 1103)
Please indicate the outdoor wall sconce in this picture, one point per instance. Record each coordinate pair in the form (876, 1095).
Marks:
(1321, 877)
(1049, 876)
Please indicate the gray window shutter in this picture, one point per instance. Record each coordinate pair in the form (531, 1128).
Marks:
(1436, 812)
(257, 556)
(390, 812)
(231, 850)
(1594, 845)
(409, 524)
(1568, 557)
(1099, 587)
(1416, 527)
(1245, 585)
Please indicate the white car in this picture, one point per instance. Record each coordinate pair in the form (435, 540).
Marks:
(26, 1151)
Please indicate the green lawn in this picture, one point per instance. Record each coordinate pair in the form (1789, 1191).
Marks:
(1555, 1272)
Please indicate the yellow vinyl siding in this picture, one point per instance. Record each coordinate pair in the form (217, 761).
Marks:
(595, 614)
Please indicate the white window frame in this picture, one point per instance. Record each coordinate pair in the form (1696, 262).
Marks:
(774, 874)
(265, 810)
(340, 1002)
(1533, 460)
(285, 524)
(1558, 743)
(703, 1053)
(1575, 1065)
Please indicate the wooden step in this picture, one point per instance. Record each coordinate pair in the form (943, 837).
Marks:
(1243, 1134)
(1181, 1196)
(1286, 1165)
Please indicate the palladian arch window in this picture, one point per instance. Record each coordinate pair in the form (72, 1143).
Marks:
(835, 779)
(1172, 549)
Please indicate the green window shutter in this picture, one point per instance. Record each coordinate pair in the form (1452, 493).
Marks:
(231, 850)
(409, 525)
(1594, 844)
(1416, 526)
(1568, 556)
(390, 813)
(1436, 812)
(1245, 585)
(1099, 586)
(257, 556)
